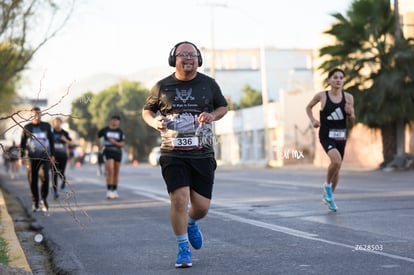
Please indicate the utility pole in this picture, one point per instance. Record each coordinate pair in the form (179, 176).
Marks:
(212, 6)
(265, 100)
(213, 48)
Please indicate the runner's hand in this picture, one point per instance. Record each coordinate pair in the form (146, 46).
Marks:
(316, 123)
(205, 117)
(159, 123)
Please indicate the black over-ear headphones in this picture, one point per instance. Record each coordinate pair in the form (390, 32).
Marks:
(172, 57)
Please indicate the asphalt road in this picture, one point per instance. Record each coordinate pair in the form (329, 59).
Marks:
(262, 221)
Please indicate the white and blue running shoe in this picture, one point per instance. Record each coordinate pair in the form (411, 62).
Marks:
(183, 256)
(328, 198)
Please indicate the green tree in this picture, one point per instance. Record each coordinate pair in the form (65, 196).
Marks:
(8, 79)
(377, 68)
(81, 119)
(17, 45)
(251, 97)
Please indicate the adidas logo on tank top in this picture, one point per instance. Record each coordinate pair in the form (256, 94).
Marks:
(336, 115)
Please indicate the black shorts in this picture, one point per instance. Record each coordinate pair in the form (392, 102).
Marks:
(113, 153)
(198, 174)
(101, 158)
(329, 144)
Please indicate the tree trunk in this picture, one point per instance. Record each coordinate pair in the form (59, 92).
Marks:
(135, 152)
(389, 142)
(400, 137)
(411, 148)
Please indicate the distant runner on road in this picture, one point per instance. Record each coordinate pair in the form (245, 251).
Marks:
(337, 108)
(113, 141)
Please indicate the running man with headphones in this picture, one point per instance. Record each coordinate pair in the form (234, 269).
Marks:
(188, 102)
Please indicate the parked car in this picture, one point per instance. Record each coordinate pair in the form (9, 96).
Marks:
(154, 156)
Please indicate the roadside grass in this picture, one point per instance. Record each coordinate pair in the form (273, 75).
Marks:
(3, 252)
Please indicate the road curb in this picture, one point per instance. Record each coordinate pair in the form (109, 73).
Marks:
(16, 255)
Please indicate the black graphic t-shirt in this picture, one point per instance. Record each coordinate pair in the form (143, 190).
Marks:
(61, 148)
(107, 133)
(181, 102)
(333, 120)
(38, 140)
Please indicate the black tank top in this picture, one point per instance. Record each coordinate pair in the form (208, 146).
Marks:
(333, 119)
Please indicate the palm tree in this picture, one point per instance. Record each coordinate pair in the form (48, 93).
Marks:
(378, 69)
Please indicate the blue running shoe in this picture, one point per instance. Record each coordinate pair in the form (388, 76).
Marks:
(328, 193)
(328, 198)
(194, 236)
(332, 206)
(183, 256)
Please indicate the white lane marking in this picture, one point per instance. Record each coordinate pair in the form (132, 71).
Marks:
(269, 226)
(162, 196)
(304, 235)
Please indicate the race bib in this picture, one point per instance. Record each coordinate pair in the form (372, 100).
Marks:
(40, 136)
(337, 134)
(185, 143)
(114, 135)
(60, 146)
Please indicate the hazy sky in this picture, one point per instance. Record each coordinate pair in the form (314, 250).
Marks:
(124, 36)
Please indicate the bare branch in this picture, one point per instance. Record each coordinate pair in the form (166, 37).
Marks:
(69, 202)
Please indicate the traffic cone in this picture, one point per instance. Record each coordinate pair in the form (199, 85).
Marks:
(135, 163)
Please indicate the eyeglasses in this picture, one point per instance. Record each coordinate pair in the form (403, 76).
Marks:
(187, 54)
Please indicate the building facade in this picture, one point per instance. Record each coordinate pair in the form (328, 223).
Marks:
(277, 132)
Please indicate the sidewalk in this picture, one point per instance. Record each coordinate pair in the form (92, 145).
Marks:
(17, 260)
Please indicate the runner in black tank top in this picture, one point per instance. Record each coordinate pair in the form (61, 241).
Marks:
(337, 109)
(332, 132)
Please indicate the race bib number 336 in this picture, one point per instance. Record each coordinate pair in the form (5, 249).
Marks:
(185, 142)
